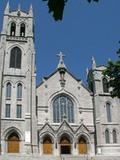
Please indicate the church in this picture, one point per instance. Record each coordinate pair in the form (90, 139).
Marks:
(59, 117)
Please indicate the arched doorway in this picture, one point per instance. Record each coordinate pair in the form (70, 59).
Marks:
(65, 145)
(13, 143)
(47, 145)
(82, 146)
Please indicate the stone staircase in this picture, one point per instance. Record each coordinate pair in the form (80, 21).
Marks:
(38, 157)
(27, 157)
(70, 157)
(50, 157)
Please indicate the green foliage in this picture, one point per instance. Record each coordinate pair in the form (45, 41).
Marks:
(57, 7)
(113, 72)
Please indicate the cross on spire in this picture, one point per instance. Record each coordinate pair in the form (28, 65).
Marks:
(61, 60)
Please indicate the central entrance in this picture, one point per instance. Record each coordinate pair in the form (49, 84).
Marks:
(65, 145)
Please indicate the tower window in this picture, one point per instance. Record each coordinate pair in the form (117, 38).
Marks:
(108, 111)
(13, 29)
(19, 111)
(8, 90)
(105, 85)
(63, 108)
(7, 110)
(19, 91)
(107, 136)
(15, 58)
(22, 30)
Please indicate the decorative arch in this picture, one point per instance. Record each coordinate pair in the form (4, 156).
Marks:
(45, 134)
(22, 29)
(12, 29)
(66, 133)
(15, 57)
(8, 131)
(63, 108)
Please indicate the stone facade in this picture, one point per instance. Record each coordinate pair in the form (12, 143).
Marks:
(61, 114)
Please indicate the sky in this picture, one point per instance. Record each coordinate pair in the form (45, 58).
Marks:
(86, 30)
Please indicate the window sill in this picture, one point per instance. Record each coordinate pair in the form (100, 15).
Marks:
(19, 99)
(8, 98)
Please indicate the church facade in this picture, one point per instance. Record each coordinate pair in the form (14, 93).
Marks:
(59, 116)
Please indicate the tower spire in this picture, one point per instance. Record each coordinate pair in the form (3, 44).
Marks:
(7, 8)
(61, 61)
(31, 11)
(93, 63)
(19, 7)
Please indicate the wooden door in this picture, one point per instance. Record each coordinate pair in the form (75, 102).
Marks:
(47, 146)
(82, 146)
(13, 144)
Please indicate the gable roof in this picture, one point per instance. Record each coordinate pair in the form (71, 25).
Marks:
(53, 73)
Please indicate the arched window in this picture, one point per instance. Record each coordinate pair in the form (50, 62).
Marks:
(19, 91)
(114, 136)
(107, 136)
(105, 85)
(22, 30)
(15, 58)
(12, 29)
(8, 90)
(108, 111)
(63, 108)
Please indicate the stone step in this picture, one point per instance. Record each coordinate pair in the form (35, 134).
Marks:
(51, 157)
(27, 157)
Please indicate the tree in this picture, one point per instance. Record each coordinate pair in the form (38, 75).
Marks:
(57, 7)
(113, 72)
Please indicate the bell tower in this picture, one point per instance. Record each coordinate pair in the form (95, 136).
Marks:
(18, 80)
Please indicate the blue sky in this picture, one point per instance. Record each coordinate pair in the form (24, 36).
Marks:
(86, 30)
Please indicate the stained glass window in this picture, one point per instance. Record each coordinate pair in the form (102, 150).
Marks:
(63, 108)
